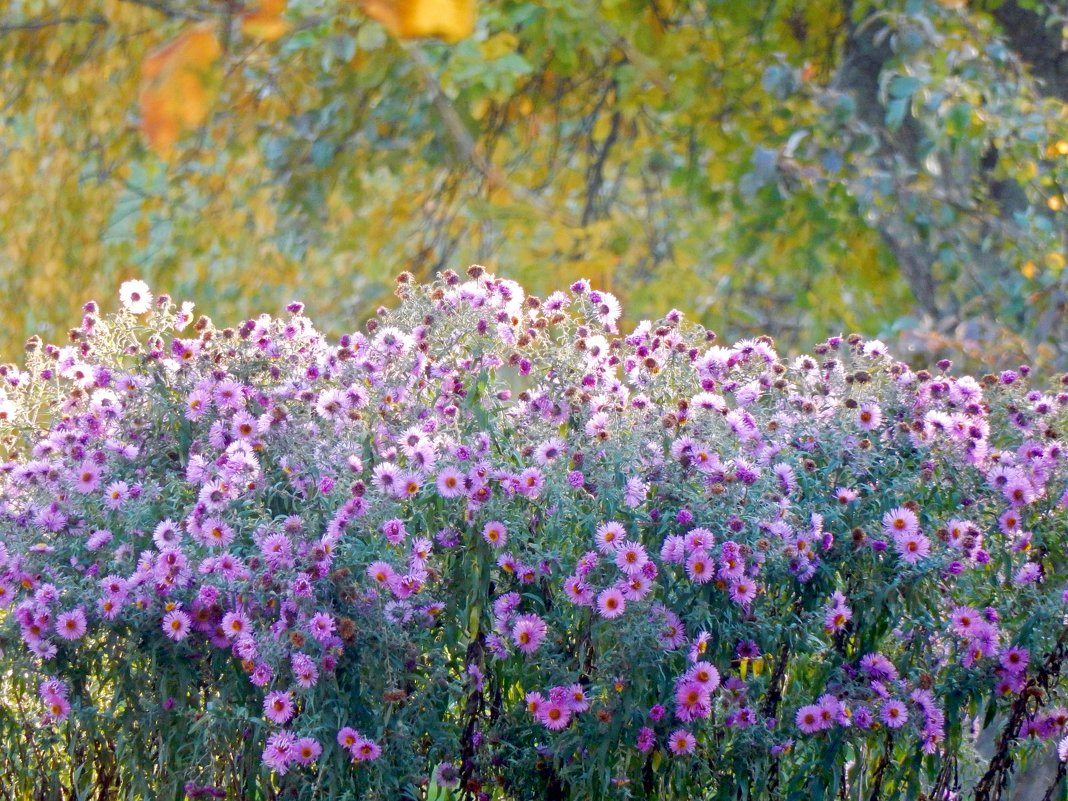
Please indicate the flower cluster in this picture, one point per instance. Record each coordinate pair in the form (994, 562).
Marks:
(487, 541)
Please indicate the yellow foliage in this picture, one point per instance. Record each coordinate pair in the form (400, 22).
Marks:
(498, 45)
(178, 86)
(266, 21)
(451, 20)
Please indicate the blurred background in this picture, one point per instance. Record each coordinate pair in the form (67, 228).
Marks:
(797, 168)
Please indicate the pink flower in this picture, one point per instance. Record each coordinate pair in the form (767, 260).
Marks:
(1018, 491)
(1009, 521)
(578, 591)
(394, 531)
(71, 625)
(98, 539)
(609, 536)
(845, 495)
(87, 478)
(635, 587)
(307, 675)
(894, 714)
(321, 626)
(809, 718)
(57, 707)
(699, 567)
(611, 603)
(347, 737)
(234, 624)
(900, 521)
(743, 591)
(176, 625)
(534, 701)
(528, 633)
(673, 549)
(450, 483)
(869, 416)
(495, 533)
(671, 634)
(554, 715)
(705, 674)
(306, 750)
(215, 533)
(116, 494)
(965, 621)
(1014, 660)
(365, 750)
(278, 707)
(699, 539)
(692, 700)
(681, 742)
(576, 698)
(837, 615)
(279, 752)
(53, 693)
(531, 482)
(381, 572)
(646, 740)
(407, 485)
(912, 547)
(631, 558)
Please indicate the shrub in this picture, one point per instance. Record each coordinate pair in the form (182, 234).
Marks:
(491, 547)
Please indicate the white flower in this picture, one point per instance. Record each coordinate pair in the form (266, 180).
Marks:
(136, 297)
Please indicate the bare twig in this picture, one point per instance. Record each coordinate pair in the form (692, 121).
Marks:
(996, 778)
(39, 24)
(466, 144)
(1061, 768)
(166, 9)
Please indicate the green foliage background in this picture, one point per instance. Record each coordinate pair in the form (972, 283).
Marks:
(779, 166)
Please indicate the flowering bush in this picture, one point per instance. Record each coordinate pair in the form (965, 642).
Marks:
(491, 547)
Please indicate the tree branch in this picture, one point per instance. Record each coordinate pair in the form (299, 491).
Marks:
(1038, 45)
(465, 142)
(166, 9)
(39, 24)
(867, 51)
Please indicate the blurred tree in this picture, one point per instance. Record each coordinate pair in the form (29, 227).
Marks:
(792, 167)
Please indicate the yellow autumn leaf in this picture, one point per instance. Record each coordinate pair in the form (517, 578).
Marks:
(498, 45)
(177, 86)
(481, 107)
(266, 21)
(451, 20)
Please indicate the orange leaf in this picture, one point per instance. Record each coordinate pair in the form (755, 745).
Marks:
(451, 20)
(178, 81)
(158, 122)
(266, 22)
